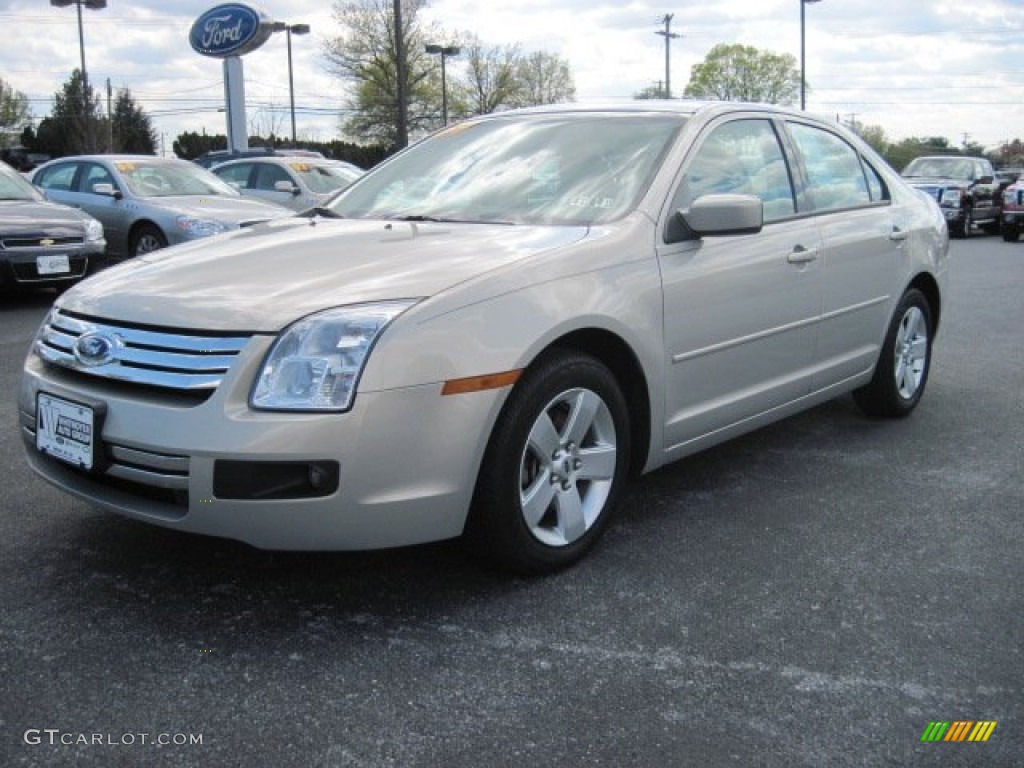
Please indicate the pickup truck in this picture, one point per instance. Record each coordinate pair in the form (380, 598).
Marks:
(1013, 211)
(965, 187)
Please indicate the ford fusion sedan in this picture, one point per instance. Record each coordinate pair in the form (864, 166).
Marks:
(146, 203)
(489, 332)
(42, 244)
(299, 183)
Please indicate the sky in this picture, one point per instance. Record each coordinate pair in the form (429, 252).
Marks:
(915, 68)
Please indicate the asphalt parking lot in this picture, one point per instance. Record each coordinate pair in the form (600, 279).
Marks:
(814, 594)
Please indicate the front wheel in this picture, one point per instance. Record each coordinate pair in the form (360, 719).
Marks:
(1011, 232)
(146, 239)
(553, 468)
(903, 364)
(962, 228)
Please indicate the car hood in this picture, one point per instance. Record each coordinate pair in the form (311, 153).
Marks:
(235, 210)
(28, 217)
(265, 277)
(936, 181)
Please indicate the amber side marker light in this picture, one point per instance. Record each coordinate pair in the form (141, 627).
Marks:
(480, 383)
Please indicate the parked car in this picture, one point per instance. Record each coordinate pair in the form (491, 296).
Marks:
(295, 182)
(490, 330)
(146, 203)
(1013, 211)
(218, 156)
(42, 244)
(965, 187)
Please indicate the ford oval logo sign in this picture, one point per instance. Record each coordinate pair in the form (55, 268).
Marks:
(94, 348)
(231, 29)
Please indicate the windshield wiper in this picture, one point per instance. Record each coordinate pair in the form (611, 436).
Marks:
(325, 213)
(449, 220)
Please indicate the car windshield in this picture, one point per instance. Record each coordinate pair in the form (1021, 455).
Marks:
(157, 179)
(14, 187)
(323, 178)
(949, 167)
(550, 169)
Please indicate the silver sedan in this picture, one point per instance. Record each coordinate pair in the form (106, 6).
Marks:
(490, 331)
(146, 203)
(300, 183)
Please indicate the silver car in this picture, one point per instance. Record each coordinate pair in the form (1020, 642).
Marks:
(299, 183)
(42, 244)
(146, 203)
(487, 333)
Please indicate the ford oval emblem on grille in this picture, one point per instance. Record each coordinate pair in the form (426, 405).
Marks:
(94, 348)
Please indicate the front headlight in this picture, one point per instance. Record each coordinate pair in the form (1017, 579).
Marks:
(315, 363)
(93, 230)
(951, 197)
(201, 227)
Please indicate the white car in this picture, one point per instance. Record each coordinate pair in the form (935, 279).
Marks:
(487, 333)
(299, 183)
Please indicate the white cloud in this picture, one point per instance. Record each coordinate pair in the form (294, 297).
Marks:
(916, 68)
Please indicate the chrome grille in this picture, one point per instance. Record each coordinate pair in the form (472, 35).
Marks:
(39, 241)
(162, 358)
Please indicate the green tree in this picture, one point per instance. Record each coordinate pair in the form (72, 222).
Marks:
(490, 82)
(73, 126)
(14, 112)
(873, 135)
(544, 78)
(366, 54)
(132, 129)
(650, 92)
(744, 73)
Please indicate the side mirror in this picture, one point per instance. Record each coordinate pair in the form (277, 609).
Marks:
(108, 190)
(286, 186)
(722, 215)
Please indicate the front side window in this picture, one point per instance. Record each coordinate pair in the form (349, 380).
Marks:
(834, 171)
(550, 169)
(268, 174)
(740, 157)
(93, 173)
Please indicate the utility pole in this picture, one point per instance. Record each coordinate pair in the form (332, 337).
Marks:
(110, 121)
(402, 132)
(669, 35)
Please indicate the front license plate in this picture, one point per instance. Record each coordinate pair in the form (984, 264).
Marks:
(65, 430)
(54, 264)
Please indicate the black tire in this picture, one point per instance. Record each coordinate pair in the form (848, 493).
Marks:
(903, 363)
(962, 228)
(1011, 232)
(146, 239)
(548, 483)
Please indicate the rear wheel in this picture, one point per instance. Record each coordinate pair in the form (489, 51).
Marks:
(147, 238)
(903, 364)
(554, 466)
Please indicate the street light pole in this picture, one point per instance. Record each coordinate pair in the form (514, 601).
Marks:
(93, 5)
(289, 30)
(444, 51)
(803, 54)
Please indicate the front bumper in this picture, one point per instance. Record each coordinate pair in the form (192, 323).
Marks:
(407, 459)
(19, 267)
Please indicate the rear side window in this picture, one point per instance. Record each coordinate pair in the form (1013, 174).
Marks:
(59, 177)
(835, 173)
(236, 175)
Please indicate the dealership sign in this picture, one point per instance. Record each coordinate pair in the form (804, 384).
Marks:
(228, 30)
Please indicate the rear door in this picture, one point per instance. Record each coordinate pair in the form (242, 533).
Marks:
(863, 237)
